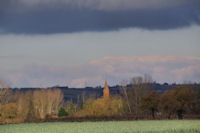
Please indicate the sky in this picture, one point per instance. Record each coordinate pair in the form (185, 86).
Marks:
(82, 43)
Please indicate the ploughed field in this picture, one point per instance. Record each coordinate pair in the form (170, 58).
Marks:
(143, 126)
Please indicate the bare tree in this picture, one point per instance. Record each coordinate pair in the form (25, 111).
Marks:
(31, 114)
(21, 104)
(124, 89)
(5, 93)
(4, 84)
(55, 99)
(40, 102)
(46, 101)
(140, 86)
(24, 103)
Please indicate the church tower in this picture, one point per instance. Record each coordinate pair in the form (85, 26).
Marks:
(106, 92)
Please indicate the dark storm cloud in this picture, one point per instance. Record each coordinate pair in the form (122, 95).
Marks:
(65, 16)
(18, 5)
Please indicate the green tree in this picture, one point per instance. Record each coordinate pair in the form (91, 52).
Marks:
(62, 112)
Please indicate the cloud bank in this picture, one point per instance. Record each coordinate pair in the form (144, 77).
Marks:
(66, 16)
(115, 69)
(95, 4)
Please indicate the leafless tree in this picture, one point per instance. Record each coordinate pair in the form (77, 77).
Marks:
(5, 92)
(46, 101)
(23, 101)
(140, 86)
(124, 89)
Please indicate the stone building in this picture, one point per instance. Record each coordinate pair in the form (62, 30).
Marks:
(106, 92)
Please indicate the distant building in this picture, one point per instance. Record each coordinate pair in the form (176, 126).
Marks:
(106, 92)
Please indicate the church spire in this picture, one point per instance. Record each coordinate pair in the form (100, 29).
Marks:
(106, 90)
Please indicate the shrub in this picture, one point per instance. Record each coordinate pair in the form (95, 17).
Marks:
(9, 111)
(62, 112)
(103, 107)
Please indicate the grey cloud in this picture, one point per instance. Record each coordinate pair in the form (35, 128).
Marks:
(97, 4)
(66, 16)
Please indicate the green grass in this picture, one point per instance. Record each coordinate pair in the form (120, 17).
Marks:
(162, 126)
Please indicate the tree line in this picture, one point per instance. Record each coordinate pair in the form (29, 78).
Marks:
(139, 101)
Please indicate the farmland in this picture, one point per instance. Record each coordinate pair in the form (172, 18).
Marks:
(147, 126)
